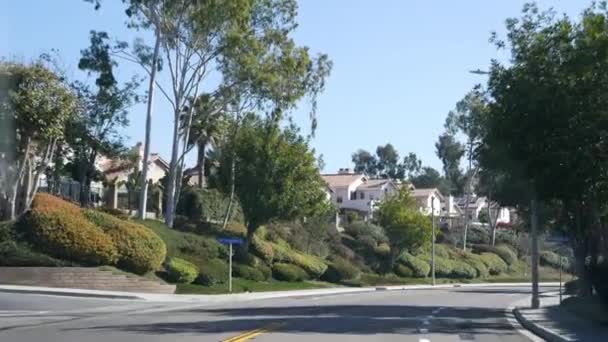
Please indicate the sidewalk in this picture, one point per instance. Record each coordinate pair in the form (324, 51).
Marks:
(556, 324)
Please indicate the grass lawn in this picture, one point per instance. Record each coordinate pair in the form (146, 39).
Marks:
(587, 308)
(243, 285)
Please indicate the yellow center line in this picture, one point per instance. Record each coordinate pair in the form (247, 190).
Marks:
(253, 333)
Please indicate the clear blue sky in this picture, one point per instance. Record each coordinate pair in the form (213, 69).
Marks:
(399, 65)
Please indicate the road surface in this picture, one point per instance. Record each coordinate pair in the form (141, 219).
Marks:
(458, 314)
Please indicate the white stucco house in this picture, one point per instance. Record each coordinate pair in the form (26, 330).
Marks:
(429, 200)
(479, 203)
(355, 191)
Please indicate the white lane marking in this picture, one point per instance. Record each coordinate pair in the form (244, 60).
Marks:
(423, 330)
(18, 313)
(436, 311)
(424, 340)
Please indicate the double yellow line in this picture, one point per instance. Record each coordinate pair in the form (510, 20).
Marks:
(253, 333)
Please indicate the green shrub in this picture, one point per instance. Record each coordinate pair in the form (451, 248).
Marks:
(7, 232)
(140, 250)
(236, 229)
(206, 204)
(19, 254)
(494, 263)
(403, 271)
(265, 270)
(370, 279)
(288, 272)
(551, 259)
(212, 272)
(58, 228)
(359, 229)
(114, 212)
(383, 250)
(503, 251)
(420, 267)
(442, 251)
(475, 261)
(192, 247)
(339, 270)
(262, 248)
(181, 271)
(248, 272)
(313, 265)
(462, 270)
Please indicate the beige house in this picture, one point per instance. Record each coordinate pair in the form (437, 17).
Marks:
(116, 173)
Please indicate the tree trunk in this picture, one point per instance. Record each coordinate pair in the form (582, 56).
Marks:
(491, 220)
(170, 205)
(534, 247)
(251, 228)
(143, 197)
(232, 190)
(201, 165)
(466, 205)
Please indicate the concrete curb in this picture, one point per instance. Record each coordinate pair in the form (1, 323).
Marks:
(547, 334)
(70, 292)
(223, 298)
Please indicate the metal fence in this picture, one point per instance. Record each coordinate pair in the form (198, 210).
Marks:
(70, 190)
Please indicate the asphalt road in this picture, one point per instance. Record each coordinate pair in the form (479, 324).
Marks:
(459, 314)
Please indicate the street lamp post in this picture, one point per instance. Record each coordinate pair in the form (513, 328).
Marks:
(433, 239)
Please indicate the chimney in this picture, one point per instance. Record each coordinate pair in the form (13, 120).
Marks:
(345, 171)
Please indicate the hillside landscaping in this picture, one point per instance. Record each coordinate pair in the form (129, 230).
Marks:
(280, 255)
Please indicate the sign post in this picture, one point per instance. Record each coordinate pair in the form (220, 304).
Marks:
(230, 242)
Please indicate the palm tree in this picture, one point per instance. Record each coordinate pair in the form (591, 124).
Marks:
(208, 127)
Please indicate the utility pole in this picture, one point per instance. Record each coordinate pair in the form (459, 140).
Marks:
(534, 247)
(433, 239)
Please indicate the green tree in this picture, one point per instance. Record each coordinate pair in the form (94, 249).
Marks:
(388, 162)
(35, 105)
(412, 165)
(552, 98)
(450, 152)
(404, 225)
(94, 130)
(365, 162)
(430, 178)
(276, 174)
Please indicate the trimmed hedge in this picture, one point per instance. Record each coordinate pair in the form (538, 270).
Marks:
(494, 263)
(181, 271)
(248, 272)
(420, 267)
(18, 254)
(475, 261)
(446, 268)
(340, 270)
(140, 250)
(403, 271)
(192, 247)
(503, 251)
(288, 272)
(59, 229)
(212, 272)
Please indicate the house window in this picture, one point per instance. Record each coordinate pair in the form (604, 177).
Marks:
(339, 200)
(353, 195)
(371, 197)
(361, 195)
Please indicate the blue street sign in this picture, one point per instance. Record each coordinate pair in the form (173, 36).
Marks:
(230, 241)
